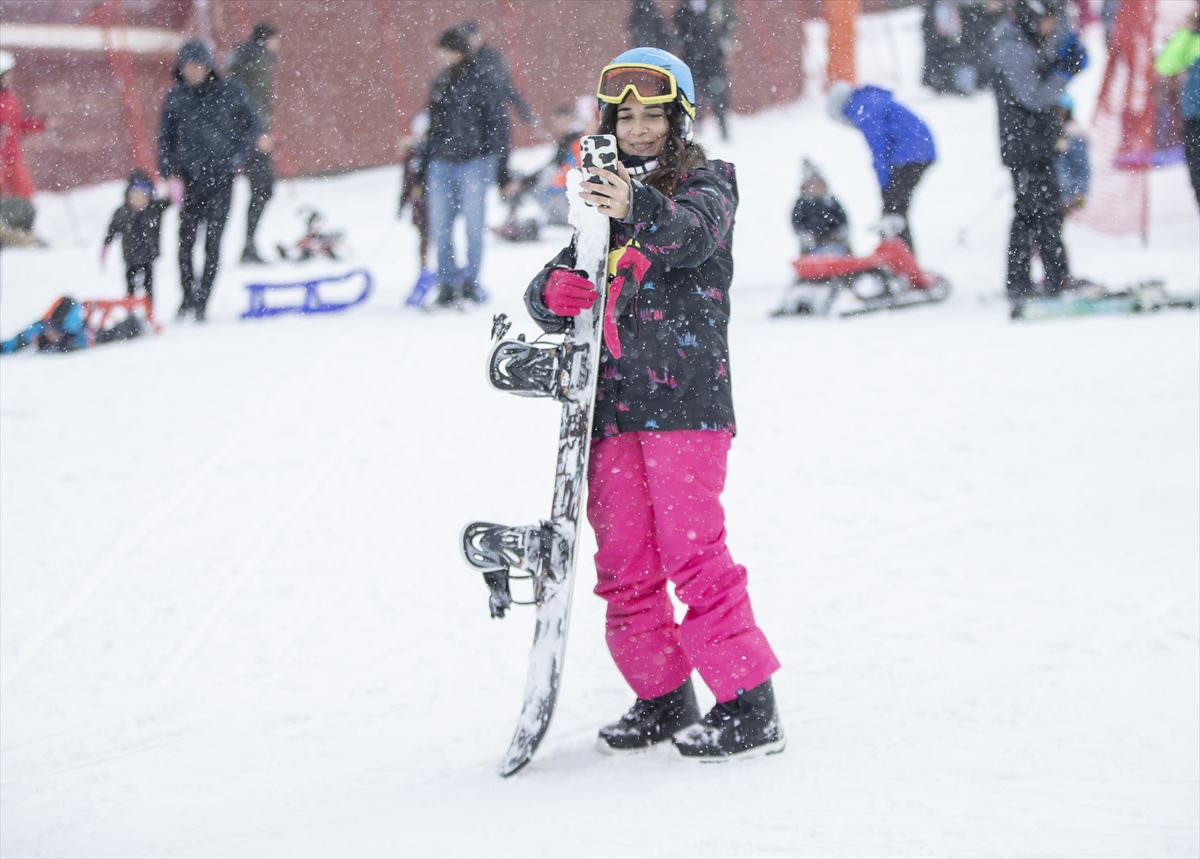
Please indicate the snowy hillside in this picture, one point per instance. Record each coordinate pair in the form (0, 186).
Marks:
(233, 619)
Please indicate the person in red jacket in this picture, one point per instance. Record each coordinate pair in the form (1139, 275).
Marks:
(15, 178)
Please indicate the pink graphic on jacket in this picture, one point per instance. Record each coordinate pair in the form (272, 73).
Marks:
(632, 264)
(654, 502)
(664, 379)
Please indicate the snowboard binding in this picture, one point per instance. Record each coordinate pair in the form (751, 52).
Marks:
(533, 369)
(498, 550)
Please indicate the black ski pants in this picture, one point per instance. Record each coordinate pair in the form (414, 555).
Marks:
(141, 274)
(207, 203)
(1191, 152)
(1037, 224)
(897, 196)
(260, 170)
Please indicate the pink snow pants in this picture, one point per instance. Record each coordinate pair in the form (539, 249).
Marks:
(654, 502)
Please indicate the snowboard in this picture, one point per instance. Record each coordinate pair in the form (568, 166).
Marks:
(546, 552)
(1091, 299)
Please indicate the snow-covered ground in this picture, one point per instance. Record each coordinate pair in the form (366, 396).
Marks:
(233, 619)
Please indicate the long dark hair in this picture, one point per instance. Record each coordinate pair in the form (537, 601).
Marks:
(678, 156)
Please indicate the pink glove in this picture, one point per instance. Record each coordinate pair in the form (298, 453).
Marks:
(567, 293)
(175, 189)
(103, 254)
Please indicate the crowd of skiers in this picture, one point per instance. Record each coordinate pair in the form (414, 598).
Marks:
(216, 124)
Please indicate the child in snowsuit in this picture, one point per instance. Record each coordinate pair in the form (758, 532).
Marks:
(818, 218)
(549, 183)
(663, 425)
(138, 222)
(901, 144)
(65, 328)
(1072, 166)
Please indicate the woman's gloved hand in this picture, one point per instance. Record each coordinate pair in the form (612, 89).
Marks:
(568, 292)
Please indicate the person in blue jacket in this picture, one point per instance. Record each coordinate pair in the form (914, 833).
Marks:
(901, 144)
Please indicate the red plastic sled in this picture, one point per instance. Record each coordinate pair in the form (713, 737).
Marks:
(889, 278)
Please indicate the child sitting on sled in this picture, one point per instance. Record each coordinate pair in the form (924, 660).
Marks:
(818, 217)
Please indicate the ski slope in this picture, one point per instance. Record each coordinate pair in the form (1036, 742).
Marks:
(234, 622)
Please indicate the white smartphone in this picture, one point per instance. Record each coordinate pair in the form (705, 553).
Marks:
(598, 150)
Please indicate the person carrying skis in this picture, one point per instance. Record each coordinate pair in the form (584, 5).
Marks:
(901, 145)
(663, 424)
(138, 222)
(252, 64)
(1182, 54)
(207, 131)
(1032, 66)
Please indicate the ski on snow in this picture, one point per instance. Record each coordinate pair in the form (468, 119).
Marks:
(1090, 299)
(547, 552)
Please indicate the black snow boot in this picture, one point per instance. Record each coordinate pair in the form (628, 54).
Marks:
(651, 721)
(746, 727)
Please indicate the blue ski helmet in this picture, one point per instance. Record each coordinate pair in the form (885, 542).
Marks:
(668, 63)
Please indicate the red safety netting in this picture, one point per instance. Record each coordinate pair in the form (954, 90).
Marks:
(1135, 127)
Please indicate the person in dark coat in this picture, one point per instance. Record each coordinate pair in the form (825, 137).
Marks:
(901, 145)
(647, 26)
(663, 424)
(1033, 63)
(700, 48)
(818, 218)
(252, 64)
(208, 129)
(466, 131)
(493, 69)
(138, 222)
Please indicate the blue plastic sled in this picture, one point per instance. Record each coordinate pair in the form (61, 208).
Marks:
(312, 302)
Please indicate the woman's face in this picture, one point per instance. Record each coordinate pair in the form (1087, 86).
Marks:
(642, 129)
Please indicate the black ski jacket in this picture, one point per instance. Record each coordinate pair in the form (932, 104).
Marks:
(1026, 89)
(139, 232)
(253, 66)
(208, 130)
(465, 119)
(822, 216)
(673, 373)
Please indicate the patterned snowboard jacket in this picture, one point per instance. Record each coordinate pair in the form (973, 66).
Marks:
(670, 268)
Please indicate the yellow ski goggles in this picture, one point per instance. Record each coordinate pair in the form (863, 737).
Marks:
(649, 85)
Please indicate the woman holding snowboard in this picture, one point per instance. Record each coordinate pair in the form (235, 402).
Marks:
(663, 424)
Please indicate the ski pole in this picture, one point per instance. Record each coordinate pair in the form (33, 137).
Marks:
(983, 213)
